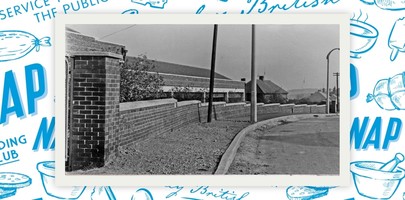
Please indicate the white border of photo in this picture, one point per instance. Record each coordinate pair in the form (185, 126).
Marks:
(342, 179)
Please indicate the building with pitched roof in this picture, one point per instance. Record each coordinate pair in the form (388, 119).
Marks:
(182, 82)
(267, 91)
(320, 97)
(185, 82)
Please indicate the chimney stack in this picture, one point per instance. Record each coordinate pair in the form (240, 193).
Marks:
(261, 78)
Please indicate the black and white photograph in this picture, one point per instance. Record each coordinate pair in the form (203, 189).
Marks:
(205, 99)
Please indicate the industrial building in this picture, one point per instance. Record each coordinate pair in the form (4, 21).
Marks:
(180, 81)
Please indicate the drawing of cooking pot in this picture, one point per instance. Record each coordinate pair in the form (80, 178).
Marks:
(363, 37)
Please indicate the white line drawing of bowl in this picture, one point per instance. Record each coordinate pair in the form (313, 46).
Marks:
(371, 182)
(363, 38)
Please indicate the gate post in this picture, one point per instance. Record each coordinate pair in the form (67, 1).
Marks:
(95, 108)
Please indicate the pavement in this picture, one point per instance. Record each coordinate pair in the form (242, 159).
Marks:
(305, 146)
(260, 117)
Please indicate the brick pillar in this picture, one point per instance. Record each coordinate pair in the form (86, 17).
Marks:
(95, 109)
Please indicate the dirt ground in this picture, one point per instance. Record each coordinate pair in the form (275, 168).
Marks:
(194, 149)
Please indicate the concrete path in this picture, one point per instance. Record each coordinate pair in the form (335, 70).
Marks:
(307, 146)
(260, 117)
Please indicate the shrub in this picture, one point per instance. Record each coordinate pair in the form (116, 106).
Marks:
(137, 82)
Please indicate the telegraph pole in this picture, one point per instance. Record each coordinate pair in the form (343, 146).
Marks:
(212, 76)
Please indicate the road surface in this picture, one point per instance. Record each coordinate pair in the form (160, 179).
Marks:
(308, 146)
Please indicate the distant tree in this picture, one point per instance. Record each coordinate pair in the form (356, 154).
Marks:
(137, 84)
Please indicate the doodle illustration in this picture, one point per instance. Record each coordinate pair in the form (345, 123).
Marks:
(152, 3)
(306, 192)
(362, 35)
(102, 193)
(383, 177)
(393, 5)
(368, 2)
(389, 94)
(10, 182)
(390, 4)
(131, 11)
(396, 39)
(17, 44)
(142, 194)
(47, 171)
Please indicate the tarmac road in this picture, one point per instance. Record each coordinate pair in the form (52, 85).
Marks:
(308, 146)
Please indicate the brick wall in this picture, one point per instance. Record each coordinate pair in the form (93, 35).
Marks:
(317, 109)
(112, 106)
(269, 108)
(301, 109)
(287, 108)
(95, 109)
(153, 118)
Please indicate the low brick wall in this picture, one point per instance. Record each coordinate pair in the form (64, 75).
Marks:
(269, 108)
(300, 109)
(142, 119)
(221, 110)
(153, 118)
(287, 108)
(318, 109)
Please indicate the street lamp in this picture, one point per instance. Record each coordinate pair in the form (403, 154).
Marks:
(327, 79)
(253, 92)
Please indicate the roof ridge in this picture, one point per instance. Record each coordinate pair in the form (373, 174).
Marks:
(181, 69)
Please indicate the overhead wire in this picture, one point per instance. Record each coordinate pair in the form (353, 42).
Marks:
(118, 31)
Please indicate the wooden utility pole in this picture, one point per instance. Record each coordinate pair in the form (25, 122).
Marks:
(212, 76)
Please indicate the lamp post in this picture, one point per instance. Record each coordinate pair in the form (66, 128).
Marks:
(337, 74)
(327, 79)
(253, 92)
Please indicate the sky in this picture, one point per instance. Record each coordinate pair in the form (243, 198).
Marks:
(292, 56)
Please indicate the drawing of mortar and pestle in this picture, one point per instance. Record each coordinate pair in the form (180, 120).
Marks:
(47, 171)
(363, 37)
(377, 180)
